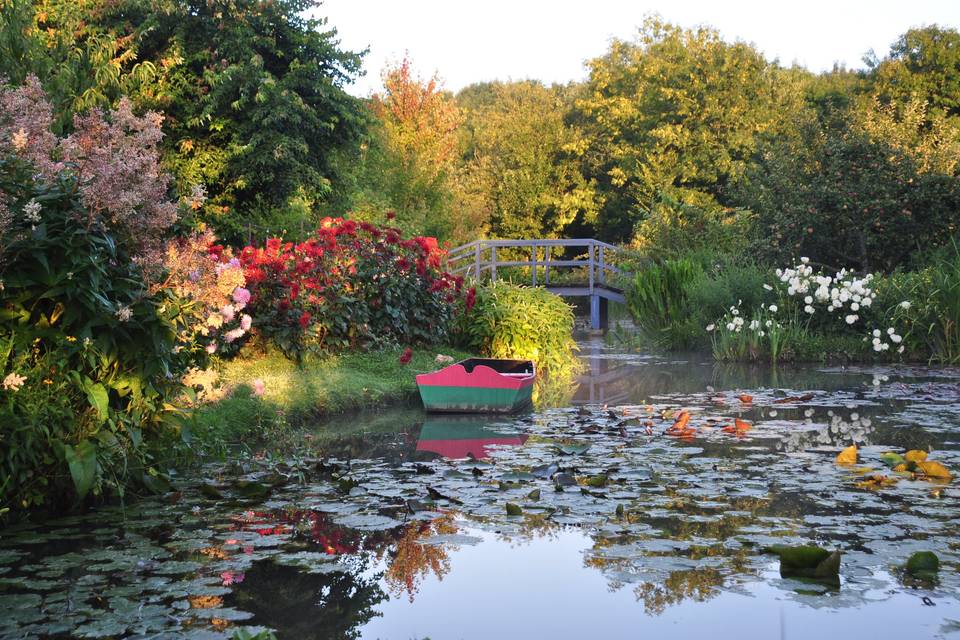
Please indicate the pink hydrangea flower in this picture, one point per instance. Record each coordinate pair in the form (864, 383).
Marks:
(259, 388)
(228, 312)
(245, 322)
(211, 348)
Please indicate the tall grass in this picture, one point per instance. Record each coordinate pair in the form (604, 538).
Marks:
(657, 298)
(944, 330)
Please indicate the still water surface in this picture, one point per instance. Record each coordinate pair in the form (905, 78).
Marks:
(395, 525)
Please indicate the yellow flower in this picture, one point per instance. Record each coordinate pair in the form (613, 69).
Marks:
(71, 339)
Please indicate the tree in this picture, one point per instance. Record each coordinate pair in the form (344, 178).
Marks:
(519, 152)
(252, 92)
(924, 63)
(410, 161)
(676, 111)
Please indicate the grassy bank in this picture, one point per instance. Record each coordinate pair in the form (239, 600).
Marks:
(319, 388)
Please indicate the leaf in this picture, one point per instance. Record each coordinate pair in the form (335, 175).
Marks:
(923, 564)
(99, 399)
(891, 459)
(598, 481)
(915, 455)
(746, 399)
(876, 481)
(253, 489)
(82, 461)
(933, 469)
(534, 495)
(514, 510)
(210, 491)
(848, 455)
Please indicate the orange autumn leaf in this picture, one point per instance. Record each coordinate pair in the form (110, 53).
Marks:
(742, 425)
(915, 455)
(745, 399)
(933, 469)
(848, 455)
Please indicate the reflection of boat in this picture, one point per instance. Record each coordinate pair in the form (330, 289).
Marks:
(478, 385)
(463, 436)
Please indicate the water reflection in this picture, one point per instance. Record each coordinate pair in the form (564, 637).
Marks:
(396, 525)
(464, 436)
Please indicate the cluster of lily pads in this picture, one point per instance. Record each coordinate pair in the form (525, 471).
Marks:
(689, 515)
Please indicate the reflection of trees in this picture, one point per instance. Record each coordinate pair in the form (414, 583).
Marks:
(411, 562)
(694, 584)
(325, 606)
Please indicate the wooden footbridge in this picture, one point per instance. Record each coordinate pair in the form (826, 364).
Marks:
(580, 268)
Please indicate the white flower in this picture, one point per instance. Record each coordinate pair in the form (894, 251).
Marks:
(876, 341)
(804, 260)
(905, 304)
(711, 327)
(854, 306)
(767, 287)
(866, 302)
(896, 338)
(878, 346)
(730, 326)
(850, 319)
(876, 333)
(31, 211)
(769, 323)
(808, 300)
(885, 346)
(809, 309)
(791, 290)
(900, 350)
(734, 311)
(891, 331)
(124, 313)
(13, 382)
(773, 308)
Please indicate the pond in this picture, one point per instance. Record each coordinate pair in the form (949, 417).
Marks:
(582, 521)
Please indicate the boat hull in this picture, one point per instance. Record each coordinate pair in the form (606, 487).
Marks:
(481, 389)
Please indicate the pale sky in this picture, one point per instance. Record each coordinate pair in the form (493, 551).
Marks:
(467, 42)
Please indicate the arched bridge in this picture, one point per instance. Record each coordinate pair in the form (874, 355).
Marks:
(568, 267)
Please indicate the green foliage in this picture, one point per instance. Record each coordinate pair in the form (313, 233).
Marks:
(923, 62)
(675, 228)
(678, 111)
(520, 155)
(845, 199)
(526, 323)
(657, 299)
(93, 350)
(252, 91)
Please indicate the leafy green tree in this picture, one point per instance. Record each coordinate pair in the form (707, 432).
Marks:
(252, 92)
(408, 166)
(521, 154)
(925, 63)
(676, 111)
(846, 199)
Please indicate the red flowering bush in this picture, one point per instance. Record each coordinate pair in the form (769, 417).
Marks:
(351, 284)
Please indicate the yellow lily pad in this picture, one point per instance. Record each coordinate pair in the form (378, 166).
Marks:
(934, 470)
(915, 455)
(848, 455)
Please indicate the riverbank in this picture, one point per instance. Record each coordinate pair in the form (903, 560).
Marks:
(266, 392)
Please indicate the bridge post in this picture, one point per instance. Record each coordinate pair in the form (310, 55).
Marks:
(476, 262)
(595, 312)
(493, 262)
(533, 262)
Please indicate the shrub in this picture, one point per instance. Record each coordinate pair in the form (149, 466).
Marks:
(91, 355)
(525, 323)
(657, 298)
(350, 285)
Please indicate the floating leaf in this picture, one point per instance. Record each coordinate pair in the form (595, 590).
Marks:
(923, 564)
(514, 509)
(848, 455)
(210, 491)
(915, 455)
(876, 481)
(534, 495)
(891, 459)
(597, 481)
(933, 469)
(746, 399)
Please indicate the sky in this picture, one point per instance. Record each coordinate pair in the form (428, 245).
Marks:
(466, 42)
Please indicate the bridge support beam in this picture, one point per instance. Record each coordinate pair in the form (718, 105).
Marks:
(598, 313)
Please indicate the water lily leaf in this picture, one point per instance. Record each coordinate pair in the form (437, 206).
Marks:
(253, 489)
(534, 495)
(923, 564)
(848, 455)
(597, 481)
(436, 495)
(915, 455)
(876, 481)
(104, 627)
(571, 449)
(563, 479)
(892, 459)
(210, 491)
(933, 469)
(514, 509)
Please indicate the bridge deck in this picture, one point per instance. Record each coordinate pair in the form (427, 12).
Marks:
(479, 259)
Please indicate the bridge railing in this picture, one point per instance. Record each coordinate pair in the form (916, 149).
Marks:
(484, 257)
